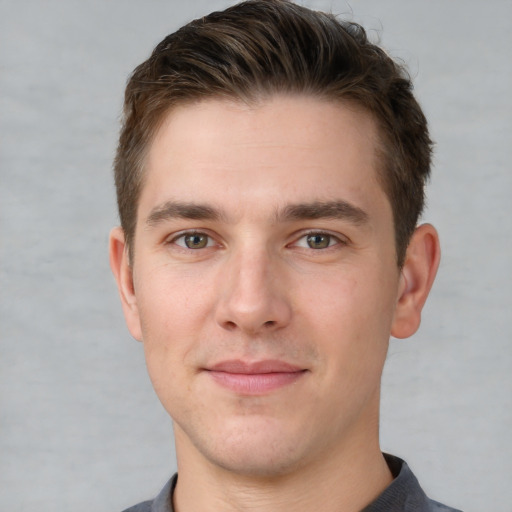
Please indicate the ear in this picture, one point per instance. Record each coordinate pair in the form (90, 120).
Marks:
(120, 265)
(416, 279)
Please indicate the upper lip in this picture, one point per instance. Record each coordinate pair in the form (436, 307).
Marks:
(255, 367)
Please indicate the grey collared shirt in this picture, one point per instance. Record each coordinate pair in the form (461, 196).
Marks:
(404, 494)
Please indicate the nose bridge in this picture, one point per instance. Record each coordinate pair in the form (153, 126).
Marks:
(252, 297)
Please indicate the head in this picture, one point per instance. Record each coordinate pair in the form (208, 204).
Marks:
(270, 175)
(256, 50)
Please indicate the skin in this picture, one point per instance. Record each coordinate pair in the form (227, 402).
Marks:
(290, 258)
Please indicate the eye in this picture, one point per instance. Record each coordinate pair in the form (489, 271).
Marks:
(317, 240)
(193, 241)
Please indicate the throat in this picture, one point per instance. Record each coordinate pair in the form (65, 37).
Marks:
(350, 488)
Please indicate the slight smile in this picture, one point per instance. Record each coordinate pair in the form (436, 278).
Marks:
(254, 378)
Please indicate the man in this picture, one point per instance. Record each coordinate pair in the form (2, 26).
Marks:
(270, 176)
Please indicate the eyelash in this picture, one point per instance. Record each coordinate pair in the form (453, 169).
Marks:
(186, 234)
(210, 240)
(338, 241)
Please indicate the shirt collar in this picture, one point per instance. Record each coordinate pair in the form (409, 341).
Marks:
(404, 494)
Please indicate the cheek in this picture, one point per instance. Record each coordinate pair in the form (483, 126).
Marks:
(172, 302)
(353, 316)
(172, 313)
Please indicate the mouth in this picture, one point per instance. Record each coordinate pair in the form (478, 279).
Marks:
(255, 378)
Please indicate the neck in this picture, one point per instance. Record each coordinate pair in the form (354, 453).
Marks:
(348, 479)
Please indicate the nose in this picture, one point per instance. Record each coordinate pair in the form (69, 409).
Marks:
(253, 297)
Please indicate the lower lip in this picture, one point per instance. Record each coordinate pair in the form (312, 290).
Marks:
(255, 383)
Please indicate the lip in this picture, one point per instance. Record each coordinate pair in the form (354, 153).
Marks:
(254, 378)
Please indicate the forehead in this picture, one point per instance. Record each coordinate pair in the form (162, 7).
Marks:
(284, 148)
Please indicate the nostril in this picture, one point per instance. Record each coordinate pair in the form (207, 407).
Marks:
(230, 326)
(270, 323)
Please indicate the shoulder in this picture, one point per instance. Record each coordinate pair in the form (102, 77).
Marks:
(145, 506)
(405, 494)
(439, 507)
(162, 503)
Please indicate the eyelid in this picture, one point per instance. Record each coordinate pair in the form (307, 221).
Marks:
(340, 239)
(190, 232)
(213, 240)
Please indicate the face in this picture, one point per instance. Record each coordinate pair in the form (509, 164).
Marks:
(264, 284)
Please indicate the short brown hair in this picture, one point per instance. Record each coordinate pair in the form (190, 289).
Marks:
(262, 47)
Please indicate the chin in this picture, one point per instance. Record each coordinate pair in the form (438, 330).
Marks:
(256, 462)
(261, 449)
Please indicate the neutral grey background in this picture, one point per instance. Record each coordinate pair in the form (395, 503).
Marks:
(80, 428)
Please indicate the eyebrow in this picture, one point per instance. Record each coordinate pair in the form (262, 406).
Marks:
(338, 209)
(177, 210)
(325, 210)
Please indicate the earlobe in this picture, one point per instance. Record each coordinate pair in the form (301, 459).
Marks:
(417, 276)
(120, 265)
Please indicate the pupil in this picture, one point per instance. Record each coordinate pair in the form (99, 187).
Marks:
(196, 241)
(318, 241)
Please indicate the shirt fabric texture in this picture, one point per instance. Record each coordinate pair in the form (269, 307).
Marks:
(404, 494)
